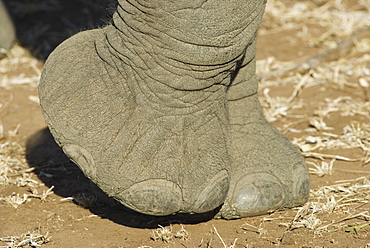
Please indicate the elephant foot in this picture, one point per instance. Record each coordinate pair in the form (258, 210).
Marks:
(154, 148)
(268, 173)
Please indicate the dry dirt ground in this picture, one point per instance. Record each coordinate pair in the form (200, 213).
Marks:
(314, 67)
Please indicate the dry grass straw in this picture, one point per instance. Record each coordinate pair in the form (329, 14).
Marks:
(167, 234)
(14, 66)
(14, 171)
(25, 240)
(222, 241)
(354, 135)
(340, 74)
(331, 206)
(325, 70)
(340, 49)
(17, 199)
(338, 18)
(323, 169)
(339, 23)
(13, 165)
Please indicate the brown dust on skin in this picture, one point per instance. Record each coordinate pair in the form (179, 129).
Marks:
(322, 108)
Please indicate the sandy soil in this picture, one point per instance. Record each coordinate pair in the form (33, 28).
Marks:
(45, 200)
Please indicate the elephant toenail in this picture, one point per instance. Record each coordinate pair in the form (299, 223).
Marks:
(214, 194)
(256, 194)
(154, 197)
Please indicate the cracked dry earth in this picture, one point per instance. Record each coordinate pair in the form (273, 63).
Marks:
(45, 201)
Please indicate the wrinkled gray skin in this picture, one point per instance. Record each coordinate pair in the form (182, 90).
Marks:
(7, 31)
(160, 110)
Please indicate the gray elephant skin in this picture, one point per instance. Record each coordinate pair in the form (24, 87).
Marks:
(160, 110)
(7, 31)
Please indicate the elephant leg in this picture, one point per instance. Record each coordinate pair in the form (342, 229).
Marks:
(142, 107)
(156, 149)
(268, 172)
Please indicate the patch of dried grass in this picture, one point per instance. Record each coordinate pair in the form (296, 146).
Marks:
(277, 107)
(340, 22)
(345, 105)
(323, 169)
(352, 73)
(17, 199)
(354, 135)
(330, 207)
(29, 240)
(13, 166)
(167, 234)
(343, 199)
(13, 66)
(334, 16)
(14, 171)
